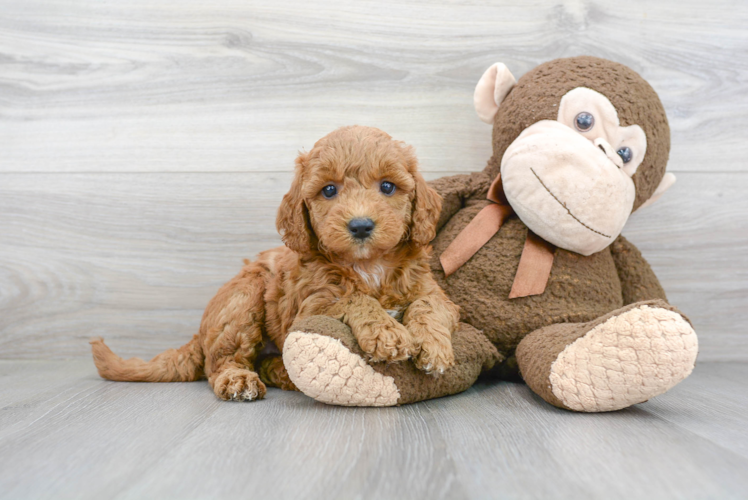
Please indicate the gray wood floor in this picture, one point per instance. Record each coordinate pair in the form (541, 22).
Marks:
(65, 433)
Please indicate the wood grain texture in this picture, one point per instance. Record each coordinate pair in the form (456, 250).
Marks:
(68, 434)
(144, 148)
(136, 257)
(146, 145)
(237, 85)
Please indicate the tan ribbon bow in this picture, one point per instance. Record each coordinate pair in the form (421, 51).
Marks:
(537, 255)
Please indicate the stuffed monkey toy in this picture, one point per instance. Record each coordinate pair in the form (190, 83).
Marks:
(531, 251)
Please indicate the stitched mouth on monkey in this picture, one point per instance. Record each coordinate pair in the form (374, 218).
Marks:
(565, 188)
(564, 205)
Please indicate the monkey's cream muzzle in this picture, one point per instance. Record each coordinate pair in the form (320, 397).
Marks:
(566, 189)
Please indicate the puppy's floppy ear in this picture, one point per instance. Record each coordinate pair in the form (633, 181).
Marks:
(293, 217)
(427, 206)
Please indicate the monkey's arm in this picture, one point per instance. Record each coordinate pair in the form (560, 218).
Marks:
(638, 281)
(456, 190)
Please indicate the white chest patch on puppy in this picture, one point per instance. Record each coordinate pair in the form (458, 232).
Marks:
(396, 313)
(372, 276)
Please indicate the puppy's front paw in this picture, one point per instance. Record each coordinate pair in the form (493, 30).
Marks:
(237, 384)
(386, 341)
(435, 357)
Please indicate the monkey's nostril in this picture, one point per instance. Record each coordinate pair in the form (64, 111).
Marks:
(361, 228)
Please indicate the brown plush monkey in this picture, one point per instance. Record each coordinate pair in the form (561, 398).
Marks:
(530, 249)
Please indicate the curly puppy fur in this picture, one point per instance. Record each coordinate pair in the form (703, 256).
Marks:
(324, 269)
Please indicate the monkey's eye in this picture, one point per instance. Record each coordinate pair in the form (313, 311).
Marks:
(387, 188)
(625, 154)
(329, 191)
(584, 121)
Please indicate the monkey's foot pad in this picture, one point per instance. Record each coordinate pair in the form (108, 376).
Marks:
(628, 359)
(323, 368)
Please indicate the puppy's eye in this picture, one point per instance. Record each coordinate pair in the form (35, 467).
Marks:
(329, 191)
(387, 188)
(625, 154)
(584, 121)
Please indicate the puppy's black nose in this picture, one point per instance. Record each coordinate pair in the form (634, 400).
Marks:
(361, 228)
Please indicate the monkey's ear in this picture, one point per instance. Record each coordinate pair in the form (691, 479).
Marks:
(293, 218)
(492, 88)
(667, 180)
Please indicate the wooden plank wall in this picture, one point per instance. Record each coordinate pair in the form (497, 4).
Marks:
(145, 145)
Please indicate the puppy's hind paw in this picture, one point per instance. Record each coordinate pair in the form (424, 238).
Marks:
(236, 384)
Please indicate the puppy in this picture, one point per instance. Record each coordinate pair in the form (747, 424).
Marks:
(356, 226)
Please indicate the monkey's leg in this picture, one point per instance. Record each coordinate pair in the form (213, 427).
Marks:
(232, 338)
(326, 363)
(625, 357)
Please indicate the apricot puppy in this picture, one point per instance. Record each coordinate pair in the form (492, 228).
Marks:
(356, 225)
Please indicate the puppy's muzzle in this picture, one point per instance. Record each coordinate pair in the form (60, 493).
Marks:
(361, 228)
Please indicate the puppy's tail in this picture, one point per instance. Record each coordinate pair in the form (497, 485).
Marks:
(175, 365)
